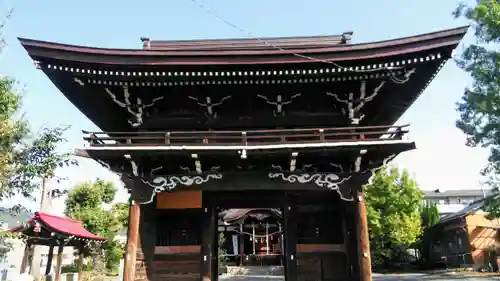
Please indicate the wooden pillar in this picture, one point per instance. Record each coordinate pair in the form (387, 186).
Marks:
(25, 261)
(290, 242)
(132, 241)
(364, 239)
(214, 250)
(49, 260)
(210, 245)
(80, 265)
(59, 262)
(242, 245)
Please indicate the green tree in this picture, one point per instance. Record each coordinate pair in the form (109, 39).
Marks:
(479, 107)
(429, 214)
(37, 161)
(12, 129)
(393, 203)
(86, 203)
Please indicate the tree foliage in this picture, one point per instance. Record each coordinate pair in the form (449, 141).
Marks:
(26, 159)
(429, 214)
(12, 133)
(38, 160)
(86, 203)
(393, 203)
(479, 107)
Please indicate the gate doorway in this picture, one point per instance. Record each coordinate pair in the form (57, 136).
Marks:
(252, 234)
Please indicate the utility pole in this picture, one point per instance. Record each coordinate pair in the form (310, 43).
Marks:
(37, 250)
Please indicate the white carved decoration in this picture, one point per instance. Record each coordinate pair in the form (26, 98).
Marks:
(354, 105)
(279, 103)
(135, 167)
(209, 106)
(384, 164)
(154, 170)
(357, 163)
(166, 183)
(338, 166)
(352, 109)
(136, 110)
(80, 82)
(403, 80)
(328, 180)
(185, 169)
(249, 167)
(213, 169)
(277, 167)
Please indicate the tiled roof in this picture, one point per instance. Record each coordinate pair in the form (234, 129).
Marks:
(456, 193)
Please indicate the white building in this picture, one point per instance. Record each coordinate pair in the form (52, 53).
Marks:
(452, 201)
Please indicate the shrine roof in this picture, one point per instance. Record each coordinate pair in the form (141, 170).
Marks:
(233, 215)
(60, 225)
(243, 51)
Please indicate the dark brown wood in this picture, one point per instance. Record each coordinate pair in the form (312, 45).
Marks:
(132, 241)
(40, 49)
(214, 243)
(320, 248)
(25, 260)
(251, 137)
(59, 262)
(50, 257)
(242, 245)
(364, 239)
(81, 260)
(209, 240)
(290, 237)
(302, 42)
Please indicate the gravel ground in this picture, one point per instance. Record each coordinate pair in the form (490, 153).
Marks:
(380, 277)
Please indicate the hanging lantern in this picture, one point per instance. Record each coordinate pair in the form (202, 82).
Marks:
(37, 228)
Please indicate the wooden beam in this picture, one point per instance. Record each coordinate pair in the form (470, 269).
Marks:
(59, 262)
(132, 241)
(364, 240)
(81, 259)
(49, 260)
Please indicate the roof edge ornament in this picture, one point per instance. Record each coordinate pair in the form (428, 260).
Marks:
(146, 43)
(346, 37)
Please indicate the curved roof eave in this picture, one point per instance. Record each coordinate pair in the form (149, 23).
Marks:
(48, 50)
(61, 225)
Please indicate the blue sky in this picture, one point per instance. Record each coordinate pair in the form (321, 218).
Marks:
(441, 160)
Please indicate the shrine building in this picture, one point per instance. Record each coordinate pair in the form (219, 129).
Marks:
(267, 141)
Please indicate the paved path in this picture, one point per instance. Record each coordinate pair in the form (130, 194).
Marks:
(430, 277)
(380, 277)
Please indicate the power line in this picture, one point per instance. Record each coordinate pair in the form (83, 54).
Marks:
(263, 41)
